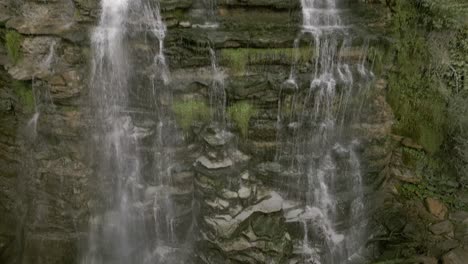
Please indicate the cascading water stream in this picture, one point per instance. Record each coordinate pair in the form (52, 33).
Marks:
(111, 236)
(217, 92)
(323, 149)
(204, 14)
(133, 221)
(39, 99)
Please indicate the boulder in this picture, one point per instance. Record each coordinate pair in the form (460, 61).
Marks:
(442, 228)
(456, 256)
(436, 208)
(244, 192)
(460, 216)
(447, 245)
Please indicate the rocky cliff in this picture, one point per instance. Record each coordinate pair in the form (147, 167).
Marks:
(228, 188)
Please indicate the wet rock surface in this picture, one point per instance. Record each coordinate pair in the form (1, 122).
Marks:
(239, 220)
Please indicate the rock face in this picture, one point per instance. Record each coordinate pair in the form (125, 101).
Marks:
(239, 219)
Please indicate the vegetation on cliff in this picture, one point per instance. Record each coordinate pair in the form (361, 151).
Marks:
(428, 92)
(188, 112)
(241, 113)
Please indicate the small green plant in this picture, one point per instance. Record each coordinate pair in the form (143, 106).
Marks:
(241, 113)
(25, 95)
(238, 59)
(13, 44)
(188, 112)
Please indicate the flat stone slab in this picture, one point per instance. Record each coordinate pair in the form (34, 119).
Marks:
(225, 225)
(214, 165)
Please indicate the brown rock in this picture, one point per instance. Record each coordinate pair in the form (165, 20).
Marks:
(436, 208)
(447, 245)
(409, 143)
(442, 228)
(456, 256)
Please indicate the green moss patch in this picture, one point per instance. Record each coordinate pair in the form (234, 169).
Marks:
(25, 95)
(241, 113)
(13, 42)
(239, 59)
(189, 112)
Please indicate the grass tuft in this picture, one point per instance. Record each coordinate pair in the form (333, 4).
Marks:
(13, 44)
(188, 112)
(239, 59)
(241, 113)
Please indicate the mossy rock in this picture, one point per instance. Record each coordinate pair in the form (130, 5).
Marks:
(13, 42)
(239, 59)
(268, 226)
(25, 95)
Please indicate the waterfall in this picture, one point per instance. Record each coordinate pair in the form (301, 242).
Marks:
(217, 91)
(115, 234)
(133, 219)
(205, 14)
(324, 150)
(41, 98)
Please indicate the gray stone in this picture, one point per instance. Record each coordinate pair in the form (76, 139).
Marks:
(269, 168)
(218, 204)
(459, 216)
(185, 24)
(289, 86)
(214, 165)
(239, 158)
(225, 225)
(245, 176)
(227, 194)
(244, 192)
(218, 139)
(340, 152)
